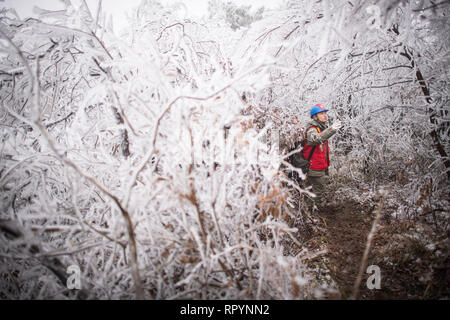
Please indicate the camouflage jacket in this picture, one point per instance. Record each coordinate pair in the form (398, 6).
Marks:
(313, 137)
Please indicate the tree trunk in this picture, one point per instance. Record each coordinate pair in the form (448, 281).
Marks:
(408, 54)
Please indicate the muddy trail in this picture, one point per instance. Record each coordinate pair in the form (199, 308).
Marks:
(410, 266)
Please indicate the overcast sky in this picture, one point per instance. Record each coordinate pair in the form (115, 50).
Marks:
(118, 8)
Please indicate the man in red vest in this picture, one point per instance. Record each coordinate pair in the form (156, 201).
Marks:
(317, 150)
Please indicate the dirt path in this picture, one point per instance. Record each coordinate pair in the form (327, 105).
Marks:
(410, 268)
(347, 228)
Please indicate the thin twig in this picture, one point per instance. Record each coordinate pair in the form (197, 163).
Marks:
(363, 265)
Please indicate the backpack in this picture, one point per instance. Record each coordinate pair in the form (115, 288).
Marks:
(297, 160)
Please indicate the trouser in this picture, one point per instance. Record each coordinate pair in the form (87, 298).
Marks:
(317, 180)
(318, 185)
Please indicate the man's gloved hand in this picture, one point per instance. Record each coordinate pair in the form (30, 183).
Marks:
(336, 125)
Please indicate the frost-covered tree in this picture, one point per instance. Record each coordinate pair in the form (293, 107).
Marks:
(235, 16)
(153, 160)
(132, 159)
